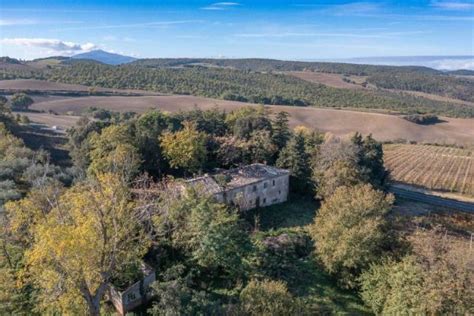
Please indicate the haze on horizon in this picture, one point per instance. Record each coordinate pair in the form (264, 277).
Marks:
(296, 30)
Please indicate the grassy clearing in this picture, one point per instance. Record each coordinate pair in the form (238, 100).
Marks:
(306, 278)
(296, 213)
(319, 288)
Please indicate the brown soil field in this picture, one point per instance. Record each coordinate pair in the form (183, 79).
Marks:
(331, 80)
(339, 122)
(63, 122)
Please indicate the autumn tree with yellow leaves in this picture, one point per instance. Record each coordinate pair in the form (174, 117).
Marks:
(82, 243)
(185, 148)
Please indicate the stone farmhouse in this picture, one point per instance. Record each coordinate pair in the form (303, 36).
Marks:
(247, 187)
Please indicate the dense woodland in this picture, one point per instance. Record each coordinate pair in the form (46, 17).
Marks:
(248, 81)
(67, 232)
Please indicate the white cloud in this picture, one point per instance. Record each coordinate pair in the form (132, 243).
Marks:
(453, 64)
(110, 38)
(453, 5)
(113, 38)
(353, 8)
(218, 6)
(11, 22)
(134, 25)
(20, 22)
(52, 45)
(322, 34)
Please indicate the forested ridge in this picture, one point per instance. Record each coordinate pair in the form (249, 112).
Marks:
(260, 64)
(459, 88)
(248, 84)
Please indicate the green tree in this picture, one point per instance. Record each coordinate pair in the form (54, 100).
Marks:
(185, 148)
(24, 119)
(209, 232)
(217, 239)
(114, 150)
(21, 102)
(281, 131)
(295, 158)
(79, 141)
(260, 147)
(148, 129)
(3, 102)
(232, 151)
(394, 287)
(15, 158)
(339, 162)
(242, 112)
(267, 298)
(211, 122)
(176, 296)
(350, 230)
(436, 278)
(340, 173)
(370, 159)
(312, 138)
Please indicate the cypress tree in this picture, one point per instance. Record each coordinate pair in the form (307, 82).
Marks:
(295, 158)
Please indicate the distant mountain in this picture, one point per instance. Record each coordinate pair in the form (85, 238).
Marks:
(105, 57)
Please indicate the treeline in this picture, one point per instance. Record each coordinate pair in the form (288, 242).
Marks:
(265, 65)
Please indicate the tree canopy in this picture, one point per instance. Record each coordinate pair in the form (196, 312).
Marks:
(350, 230)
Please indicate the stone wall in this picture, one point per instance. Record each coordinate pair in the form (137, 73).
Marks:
(263, 193)
(132, 297)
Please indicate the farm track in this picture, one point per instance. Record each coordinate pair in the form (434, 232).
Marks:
(432, 199)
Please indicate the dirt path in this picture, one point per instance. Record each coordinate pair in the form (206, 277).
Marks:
(406, 192)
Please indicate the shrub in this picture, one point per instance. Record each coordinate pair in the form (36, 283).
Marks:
(277, 254)
(176, 296)
(267, 298)
(24, 119)
(422, 119)
(21, 102)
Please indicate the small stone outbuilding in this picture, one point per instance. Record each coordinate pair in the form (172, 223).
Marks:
(138, 293)
(247, 187)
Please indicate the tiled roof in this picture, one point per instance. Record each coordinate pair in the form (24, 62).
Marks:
(206, 183)
(237, 177)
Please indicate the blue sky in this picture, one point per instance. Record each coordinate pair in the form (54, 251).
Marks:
(299, 29)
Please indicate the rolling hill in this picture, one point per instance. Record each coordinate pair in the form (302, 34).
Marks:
(406, 90)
